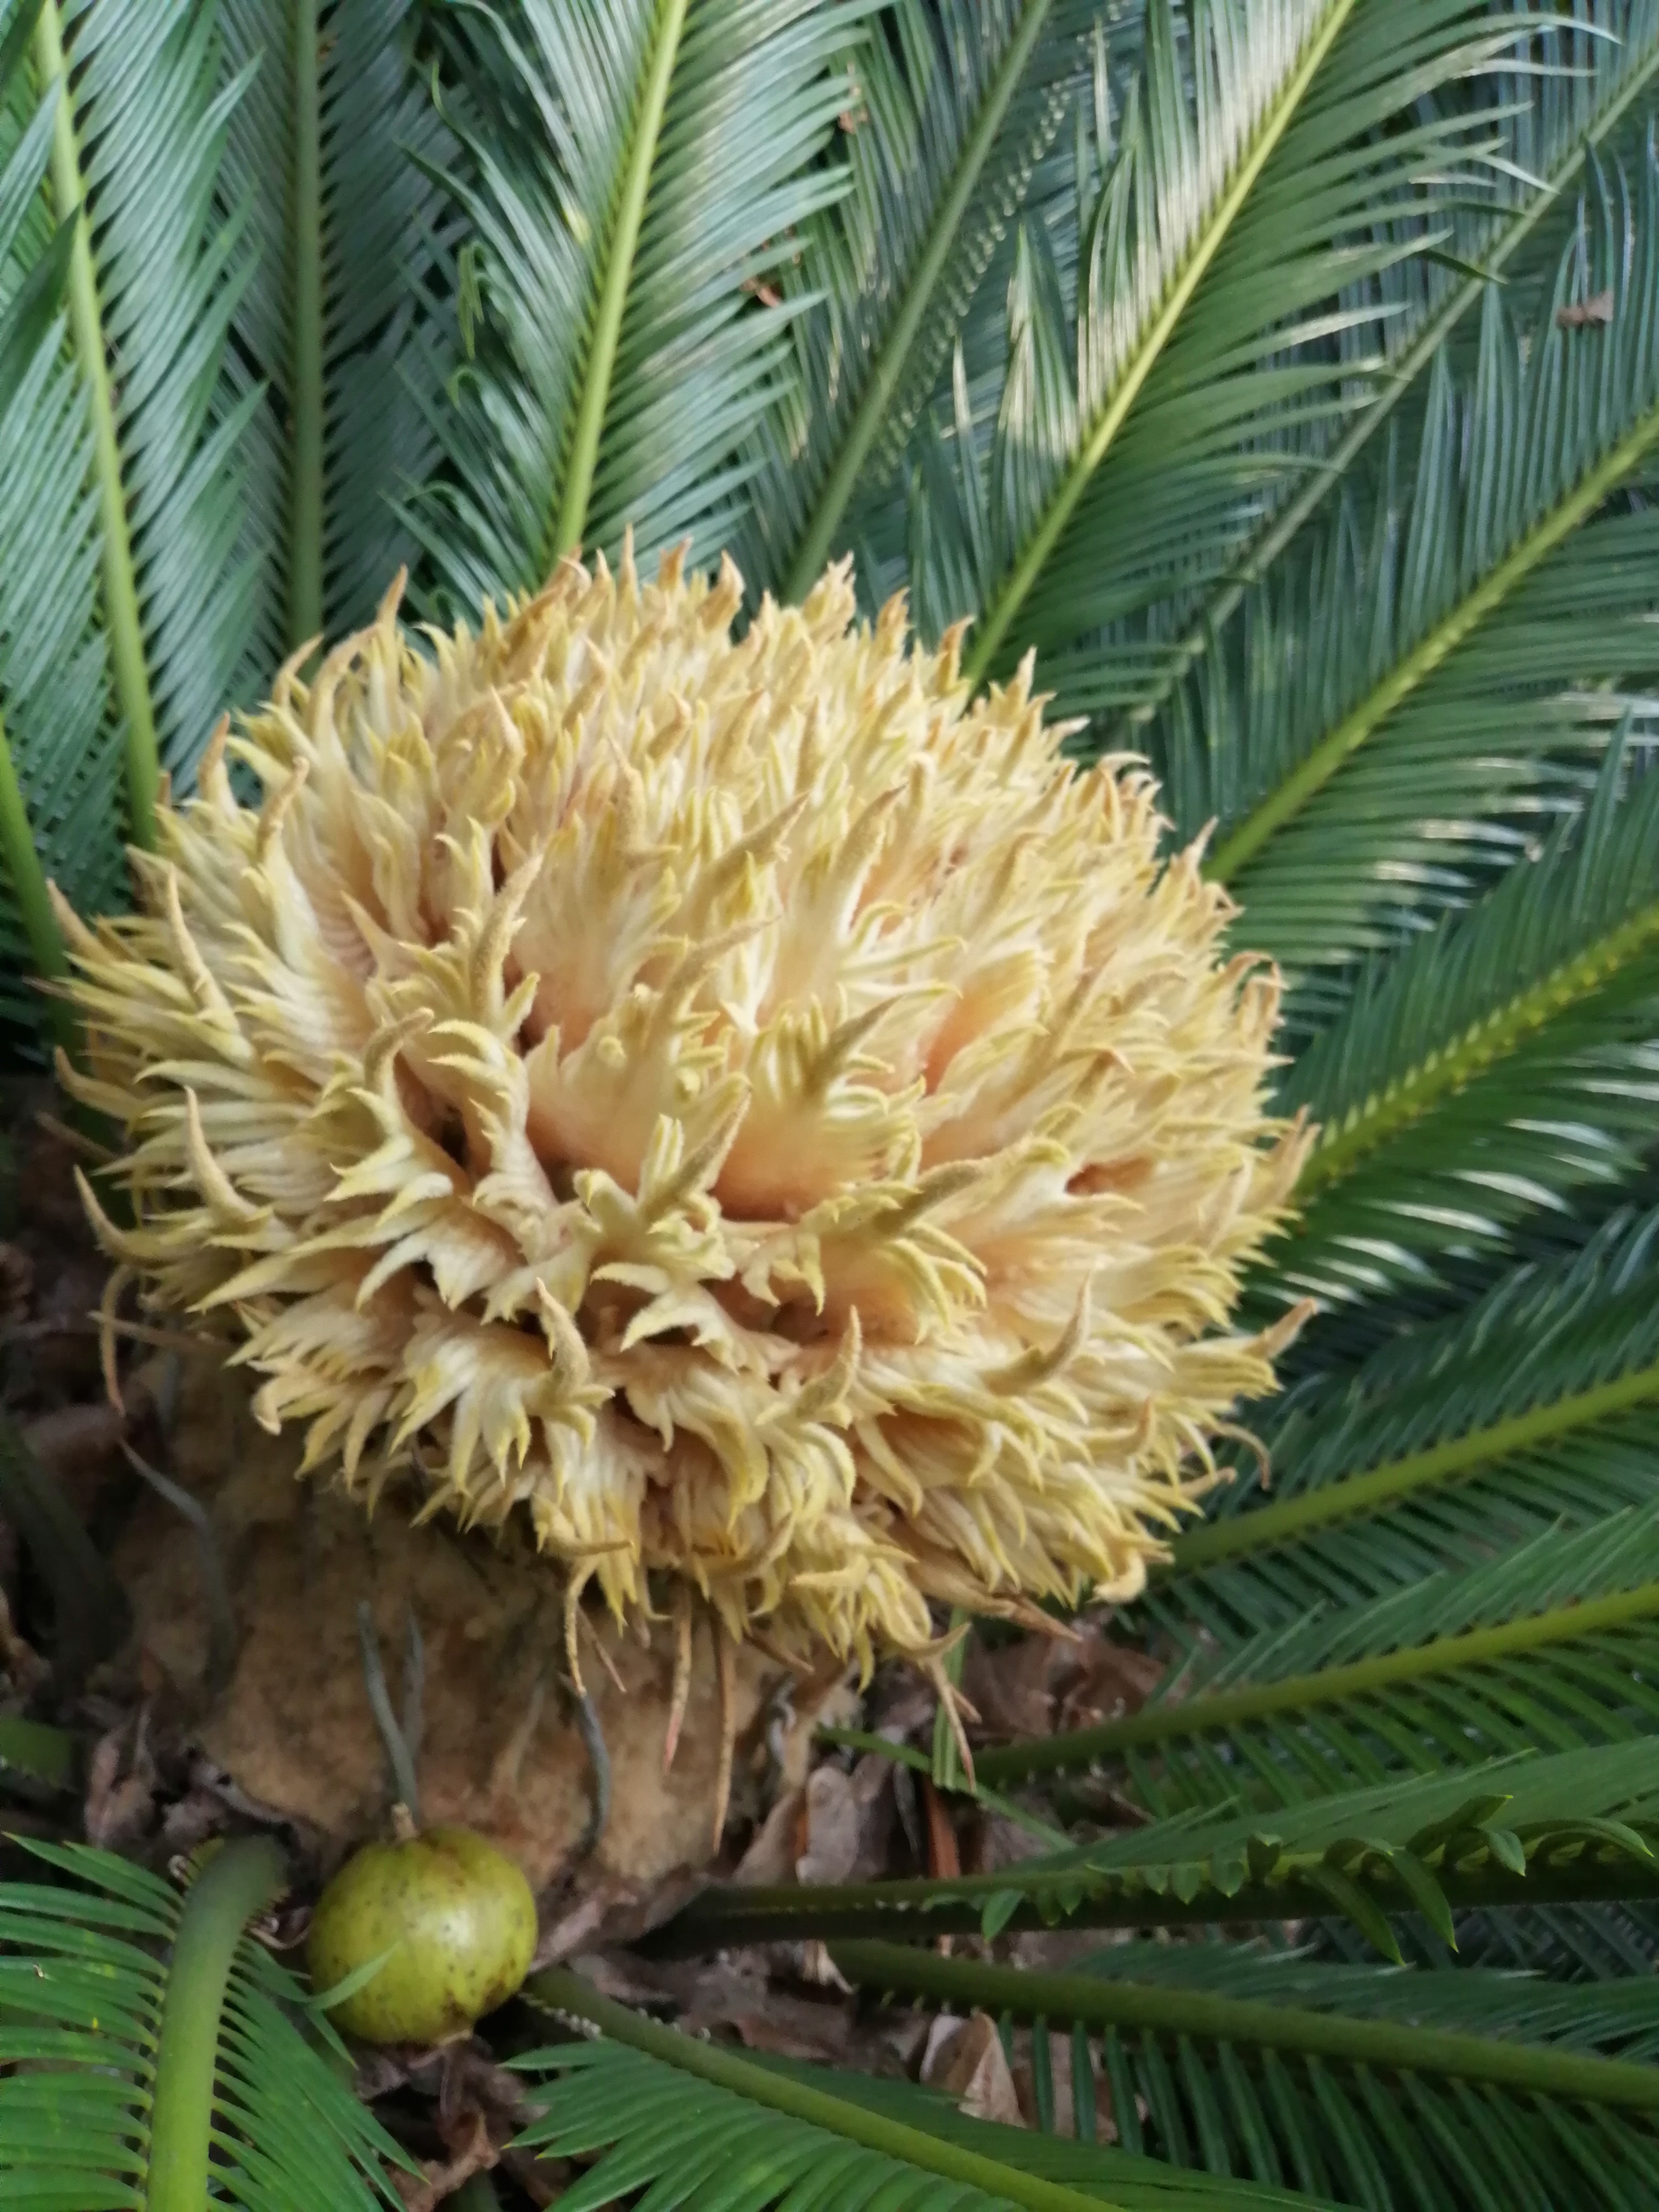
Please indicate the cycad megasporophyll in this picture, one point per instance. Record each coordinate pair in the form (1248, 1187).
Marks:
(1285, 373)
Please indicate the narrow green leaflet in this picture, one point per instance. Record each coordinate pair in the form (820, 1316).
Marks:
(1460, 644)
(1129, 418)
(60, 754)
(953, 109)
(1492, 1067)
(1577, 1825)
(1546, 1646)
(1530, 1410)
(1573, 87)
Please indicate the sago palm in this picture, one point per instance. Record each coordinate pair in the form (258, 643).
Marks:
(1284, 376)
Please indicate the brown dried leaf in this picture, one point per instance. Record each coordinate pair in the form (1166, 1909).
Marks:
(944, 1854)
(1012, 1685)
(971, 2066)
(18, 1660)
(119, 1806)
(472, 2152)
(1100, 1680)
(1060, 2053)
(849, 1819)
(776, 1845)
(1598, 308)
(774, 2021)
(578, 1926)
(543, 2180)
(16, 1282)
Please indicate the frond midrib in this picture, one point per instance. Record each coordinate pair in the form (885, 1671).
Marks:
(1358, 1495)
(1105, 2002)
(1204, 1714)
(1243, 846)
(886, 370)
(26, 880)
(127, 655)
(240, 1879)
(305, 504)
(560, 1991)
(997, 618)
(597, 357)
(1279, 528)
(1302, 1885)
(1420, 1087)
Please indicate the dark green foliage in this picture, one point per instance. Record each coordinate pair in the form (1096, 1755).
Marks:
(1286, 373)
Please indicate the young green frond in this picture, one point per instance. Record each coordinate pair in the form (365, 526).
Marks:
(1526, 1409)
(1492, 1067)
(953, 109)
(1546, 1646)
(60, 757)
(1572, 88)
(1129, 419)
(1576, 1827)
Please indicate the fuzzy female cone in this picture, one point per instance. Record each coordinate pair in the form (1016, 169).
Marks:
(738, 1111)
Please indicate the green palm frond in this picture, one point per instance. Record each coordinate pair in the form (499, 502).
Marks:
(154, 275)
(1129, 420)
(1527, 1410)
(1456, 641)
(626, 223)
(1550, 1644)
(956, 106)
(149, 2052)
(1379, 2087)
(60, 754)
(676, 2117)
(337, 337)
(1566, 1827)
(1575, 89)
(1492, 1067)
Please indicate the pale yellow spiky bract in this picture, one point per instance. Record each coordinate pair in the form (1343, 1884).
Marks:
(739, 1110)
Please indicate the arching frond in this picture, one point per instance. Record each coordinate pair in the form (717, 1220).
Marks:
(155, 271)
(1492, 1067)
(1575, 86)
(1460, 642)
(152, 2054)
(1331, 2079)
(60, 751)
(955, 108)
(665, 2110)
(1127, 422)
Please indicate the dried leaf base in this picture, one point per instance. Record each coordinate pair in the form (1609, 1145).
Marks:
(501, 1751)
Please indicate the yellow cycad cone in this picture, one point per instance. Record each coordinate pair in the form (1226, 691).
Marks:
(740, 1109)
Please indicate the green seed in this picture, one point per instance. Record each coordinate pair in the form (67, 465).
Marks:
(458, 1919)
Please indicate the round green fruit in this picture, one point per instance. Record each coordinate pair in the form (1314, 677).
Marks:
(458, 1917)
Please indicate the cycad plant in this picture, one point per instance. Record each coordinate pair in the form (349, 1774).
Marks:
(1285, 375)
